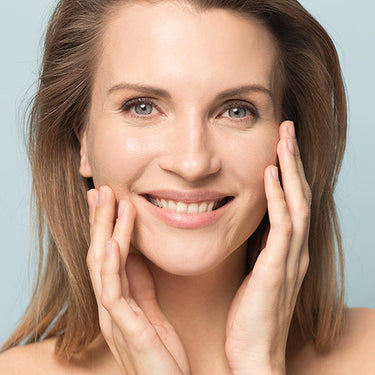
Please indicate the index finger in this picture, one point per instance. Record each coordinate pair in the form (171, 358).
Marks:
(101, 228)
(124, 228)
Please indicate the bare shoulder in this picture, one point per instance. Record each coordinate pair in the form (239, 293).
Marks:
(353, 353)
(40, 358)
(360, 328)
(358, 340)
(30, 359)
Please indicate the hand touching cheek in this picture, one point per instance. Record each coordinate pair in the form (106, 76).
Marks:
(261, 313)
(138, 334)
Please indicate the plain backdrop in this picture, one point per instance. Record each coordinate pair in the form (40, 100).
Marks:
(352, 27)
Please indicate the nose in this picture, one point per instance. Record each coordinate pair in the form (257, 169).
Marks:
(191, 152)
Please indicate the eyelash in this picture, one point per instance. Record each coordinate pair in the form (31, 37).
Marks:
(231, 104)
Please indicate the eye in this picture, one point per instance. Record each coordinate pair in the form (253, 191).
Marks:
(237, 112)
(143, 107)
(240, 111)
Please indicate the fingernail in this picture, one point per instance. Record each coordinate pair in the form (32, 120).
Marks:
(291, 130)
(275, 173)
(291, 146)
(121, 208)
(102, 195)
(108, 246)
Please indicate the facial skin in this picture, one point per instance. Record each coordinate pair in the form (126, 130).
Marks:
(190, 141)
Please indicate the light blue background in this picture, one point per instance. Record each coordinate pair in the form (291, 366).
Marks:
(352, 27)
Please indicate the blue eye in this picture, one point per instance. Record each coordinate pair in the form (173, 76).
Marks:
(240, 111)
(143, 109)
(237, 112)
(142, 106)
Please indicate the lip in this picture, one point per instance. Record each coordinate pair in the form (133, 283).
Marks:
(187, 221)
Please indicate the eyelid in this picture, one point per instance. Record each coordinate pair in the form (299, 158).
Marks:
(125, 107)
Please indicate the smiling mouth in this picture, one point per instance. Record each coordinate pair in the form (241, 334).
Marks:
(188, 208)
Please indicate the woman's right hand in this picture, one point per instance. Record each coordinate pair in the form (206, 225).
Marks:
(135, 329)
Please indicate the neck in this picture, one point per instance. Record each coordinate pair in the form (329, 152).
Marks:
(198, 306)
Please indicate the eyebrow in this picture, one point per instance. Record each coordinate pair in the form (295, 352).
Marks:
(150, 90)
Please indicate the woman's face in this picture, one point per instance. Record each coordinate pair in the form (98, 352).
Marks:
(204, 129)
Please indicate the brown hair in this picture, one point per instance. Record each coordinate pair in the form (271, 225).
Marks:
(63, 304)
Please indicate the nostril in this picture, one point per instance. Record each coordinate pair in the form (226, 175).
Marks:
(191, 166)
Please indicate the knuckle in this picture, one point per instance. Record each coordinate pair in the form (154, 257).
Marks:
(291, 276)
(284, 225)
(287, 226)
(107, 272)
(136, 332)
(100, 220)
(92, 259)
(141, 336)
(106, 300)
(164, 329)
(266, 265)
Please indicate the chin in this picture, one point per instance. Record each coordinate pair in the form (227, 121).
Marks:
(187, 254)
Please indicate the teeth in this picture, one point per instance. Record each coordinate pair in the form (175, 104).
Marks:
(170, 206)
(192, 208)
(202, 207)
(182, 207)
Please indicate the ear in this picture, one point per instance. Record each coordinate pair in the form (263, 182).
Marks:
(84, 168)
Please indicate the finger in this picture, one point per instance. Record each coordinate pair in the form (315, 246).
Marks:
(279, 236)
(123, 229)
(111, 297)
(265, 287)
(101, 230)
(287, 131)
(136, 328)
(124, 313)
(293, 186)
(296, 192)
(142, 289)
(92, 199)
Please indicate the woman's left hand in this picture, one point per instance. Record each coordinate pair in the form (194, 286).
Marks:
(261, 312)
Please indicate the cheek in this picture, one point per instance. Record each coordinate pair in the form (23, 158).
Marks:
(255, 156)
(119, 159)
(250, 156)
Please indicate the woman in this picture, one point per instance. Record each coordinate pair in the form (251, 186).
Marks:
(176, 120)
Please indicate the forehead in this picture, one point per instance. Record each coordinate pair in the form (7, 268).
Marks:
(171, 46)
